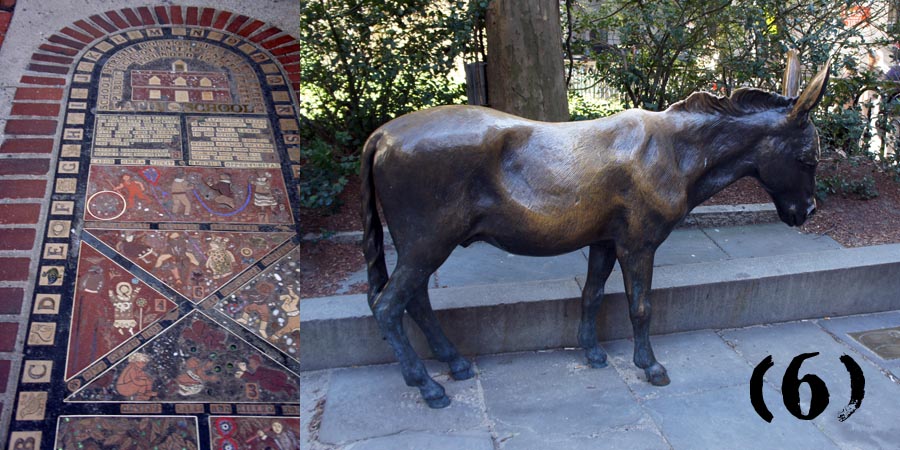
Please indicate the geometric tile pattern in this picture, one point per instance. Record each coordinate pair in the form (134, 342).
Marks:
(194, 360)
(193, 263)
(165, 308)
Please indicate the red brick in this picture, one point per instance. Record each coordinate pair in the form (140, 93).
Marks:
(161, 14)
(272, 43)
(116, 19)
(249, 29)
(131, 17)
(23, 188)
(42, 93)
(35, 109)
(16, 239)
(235, 24)
(14, 269)
(206, 17)
(286, 49)
(31, 126)
(89, 28)
(294, 77)
(191, 15)
(11, 300)
(289, 59)
(47, 81)
(19, 213)
(146, 15)
(222, 19)
(4, 375)
(265, 34)
(27, 146)
(80, 36)
(175, 15)
(292, 68)
(57, 39)
(51, 58)
(5, 18)
(99, 20)
(45, 68)
(58, 49)
(24, 166)
(8, 332)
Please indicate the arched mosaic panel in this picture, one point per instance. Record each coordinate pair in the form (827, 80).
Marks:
(167, 293)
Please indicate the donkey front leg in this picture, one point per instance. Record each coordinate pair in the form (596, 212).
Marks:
(388, 308)
(600, 263)
(637, 271)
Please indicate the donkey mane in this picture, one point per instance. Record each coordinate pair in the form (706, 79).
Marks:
(743, 101)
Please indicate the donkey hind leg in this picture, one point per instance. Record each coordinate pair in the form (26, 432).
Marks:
(600, 263)
(419, 309)
(637, 271)
(387, 308)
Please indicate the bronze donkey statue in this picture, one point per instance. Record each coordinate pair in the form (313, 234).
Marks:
(454, 175)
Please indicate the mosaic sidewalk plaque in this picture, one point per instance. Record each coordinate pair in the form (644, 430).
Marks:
(193, 263)
(254, 433)
(195, 360)
(165, 312)
(110, 307)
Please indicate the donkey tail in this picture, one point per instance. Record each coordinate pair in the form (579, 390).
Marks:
(373, 234)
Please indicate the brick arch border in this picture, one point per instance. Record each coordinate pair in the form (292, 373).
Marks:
(33, 134)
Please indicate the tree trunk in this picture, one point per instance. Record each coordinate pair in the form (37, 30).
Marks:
(525, 69)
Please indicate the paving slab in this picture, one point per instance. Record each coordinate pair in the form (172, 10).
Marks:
(688, 246)
(313, 387)
(553, 397)
(430, 441)
(696, 361)
(374, 402)
(722, 418)
(867, 427)
(752, 241)
(842, 327)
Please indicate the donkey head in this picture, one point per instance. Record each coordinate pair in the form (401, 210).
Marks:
(787, 160)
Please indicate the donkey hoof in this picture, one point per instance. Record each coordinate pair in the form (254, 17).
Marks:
(438, 402)
(434, 395)
(596, 357)
(461, 369)
(656, 375)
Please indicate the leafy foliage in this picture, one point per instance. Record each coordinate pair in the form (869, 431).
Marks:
(667, 49)
(364, 62)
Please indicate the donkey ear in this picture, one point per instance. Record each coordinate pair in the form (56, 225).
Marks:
(812, 95)
(790, 85)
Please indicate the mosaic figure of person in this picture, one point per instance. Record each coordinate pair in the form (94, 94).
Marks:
(262, 195)
(259, 307)
(179, 189)
(223, 194)
(283, 438)
(290, 305)
(123, 303)
(133, 189)
(270, 380)
(194, 377)
(134, 383)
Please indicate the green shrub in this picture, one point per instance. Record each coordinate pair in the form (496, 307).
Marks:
(323, 175)
(581, 108)
(863, 189)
